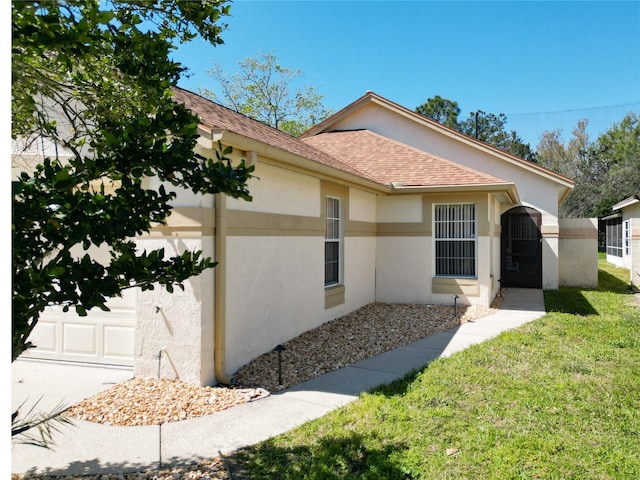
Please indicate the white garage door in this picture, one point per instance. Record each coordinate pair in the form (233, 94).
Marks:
(100, 337)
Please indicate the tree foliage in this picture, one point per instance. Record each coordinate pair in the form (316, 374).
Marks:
(442, 110)
(605, 171)
(486, 127)
(94, 78)
(264, 90)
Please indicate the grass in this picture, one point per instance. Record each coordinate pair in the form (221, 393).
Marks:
(556, 399)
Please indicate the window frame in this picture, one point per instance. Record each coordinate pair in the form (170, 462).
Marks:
(457, 229)
(336, 238)
(626, 237)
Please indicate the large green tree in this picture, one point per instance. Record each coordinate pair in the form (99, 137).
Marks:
(442, 110)
(486, 127)
(605, 171)
(564, 159)
(93, 79)
(265, 90)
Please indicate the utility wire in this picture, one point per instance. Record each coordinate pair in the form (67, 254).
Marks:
(573, 110)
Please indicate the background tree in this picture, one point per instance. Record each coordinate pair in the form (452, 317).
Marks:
(442, 110)
(264, 90)
(93, 79)
(486, 127)
(605, 171)
(566, 160)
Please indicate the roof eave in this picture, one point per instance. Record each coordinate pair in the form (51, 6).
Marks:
(626, 202)
(251, 147)
(507, 191)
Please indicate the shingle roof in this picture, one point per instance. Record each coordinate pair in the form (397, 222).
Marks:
(360, 152)
(371, 97)
(216, 116)
(388, 161)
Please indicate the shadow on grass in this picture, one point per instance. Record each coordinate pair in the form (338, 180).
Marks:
(608, 282)
(572, 300)
(327, 458)
(568, 300)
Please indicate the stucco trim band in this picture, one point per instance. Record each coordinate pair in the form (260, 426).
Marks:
(463, 286)
(187, 222)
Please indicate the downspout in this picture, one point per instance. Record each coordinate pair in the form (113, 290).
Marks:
(220, 309)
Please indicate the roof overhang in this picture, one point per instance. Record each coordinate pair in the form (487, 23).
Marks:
(627, 202)
(506, 192)
(249, 147)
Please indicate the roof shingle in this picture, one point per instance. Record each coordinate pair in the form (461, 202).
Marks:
(388, 161)
(216, 116)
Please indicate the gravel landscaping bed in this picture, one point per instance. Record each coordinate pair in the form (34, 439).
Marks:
(369, 331)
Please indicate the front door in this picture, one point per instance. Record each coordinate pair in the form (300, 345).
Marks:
(521, 250)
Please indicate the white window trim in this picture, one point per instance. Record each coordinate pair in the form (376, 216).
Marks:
(626, 237)
(475, 240)
(339, 241)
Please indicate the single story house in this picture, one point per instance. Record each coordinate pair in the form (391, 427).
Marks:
(623, 237)
(375, 204)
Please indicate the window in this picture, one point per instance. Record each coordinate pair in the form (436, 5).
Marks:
(332, 243)
(455, 238)
(614, 236)
(627, 237)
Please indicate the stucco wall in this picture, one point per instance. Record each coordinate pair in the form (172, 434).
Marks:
(179, 323)
(405, 270)
(275, 260)
(578, 252)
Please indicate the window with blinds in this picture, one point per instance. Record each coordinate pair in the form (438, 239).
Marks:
(332, 242)
(455, 240)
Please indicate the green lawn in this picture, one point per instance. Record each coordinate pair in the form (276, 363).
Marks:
(557, 398)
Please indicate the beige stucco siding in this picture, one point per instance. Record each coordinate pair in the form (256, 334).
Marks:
(274, 292)
(280, 191)
(578, 252)
(180, 324)
(405, 268)
(275, 260)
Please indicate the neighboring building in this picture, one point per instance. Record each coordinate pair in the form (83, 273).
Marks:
(623, 237)
(375, 204)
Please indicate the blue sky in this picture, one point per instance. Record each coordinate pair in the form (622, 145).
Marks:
(544, 64)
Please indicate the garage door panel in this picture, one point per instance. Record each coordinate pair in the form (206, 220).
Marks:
(100, 337)
(80, 339)
(45, 336)
(119, 341)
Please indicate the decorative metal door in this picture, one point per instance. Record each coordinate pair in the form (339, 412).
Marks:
(521, 241)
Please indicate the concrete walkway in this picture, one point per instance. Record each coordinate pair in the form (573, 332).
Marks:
(90, 448)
